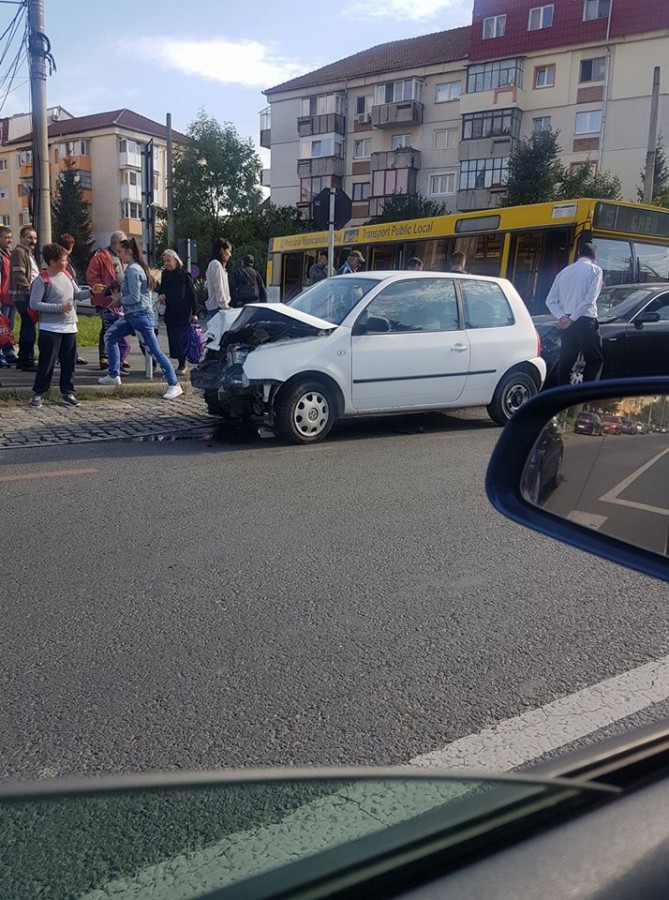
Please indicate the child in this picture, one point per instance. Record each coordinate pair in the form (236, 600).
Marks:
(112, 314)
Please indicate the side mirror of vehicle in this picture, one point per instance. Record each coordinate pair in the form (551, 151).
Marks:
(371, 324)
(602, 493)
(645, 318)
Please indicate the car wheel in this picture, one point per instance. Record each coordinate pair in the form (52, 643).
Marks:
(305, 413)
(511, 393)
(557, 475)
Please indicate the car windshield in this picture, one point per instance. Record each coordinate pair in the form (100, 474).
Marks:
(617, 302)
(334, 298)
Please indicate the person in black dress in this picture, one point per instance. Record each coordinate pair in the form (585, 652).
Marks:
(177, 292)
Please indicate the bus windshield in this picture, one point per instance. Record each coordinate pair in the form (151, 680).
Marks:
(334, 298)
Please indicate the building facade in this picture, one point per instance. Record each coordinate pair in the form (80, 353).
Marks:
(106, 152)
(440, 114)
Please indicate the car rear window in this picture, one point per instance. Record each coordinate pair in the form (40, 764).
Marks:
(485, 304)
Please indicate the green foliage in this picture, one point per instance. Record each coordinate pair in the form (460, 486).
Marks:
(69, 215)
(535, 171)
(216, 176)
(661, 179)
(536, 174)
(408, 206)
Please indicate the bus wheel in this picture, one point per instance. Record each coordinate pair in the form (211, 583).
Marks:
(305, 413)
(514, 389)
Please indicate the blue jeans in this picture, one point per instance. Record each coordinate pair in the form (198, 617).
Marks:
(8, 351)
(140, 323)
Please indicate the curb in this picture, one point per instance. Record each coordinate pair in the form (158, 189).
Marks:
(100, 391)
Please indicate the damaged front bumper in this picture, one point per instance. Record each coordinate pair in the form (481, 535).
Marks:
(221, 374)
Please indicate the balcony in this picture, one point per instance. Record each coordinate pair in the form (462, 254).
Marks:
(328, 123)
(404, 112)
(128, 160)
(402, 158)
(265, 178)
(131, 192)
(26, 170)
(82, 163)
(266, 138)
(479, 198)
(320, 165)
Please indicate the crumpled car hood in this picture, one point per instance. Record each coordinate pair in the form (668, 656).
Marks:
(264, 323)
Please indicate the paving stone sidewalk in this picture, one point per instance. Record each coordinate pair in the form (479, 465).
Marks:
(21, 426)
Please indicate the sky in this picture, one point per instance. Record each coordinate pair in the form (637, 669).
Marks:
(160, 56)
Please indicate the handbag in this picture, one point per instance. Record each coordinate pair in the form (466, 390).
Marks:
(195, 344)
(6, 335)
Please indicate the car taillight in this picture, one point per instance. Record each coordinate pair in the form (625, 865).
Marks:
(538, 342)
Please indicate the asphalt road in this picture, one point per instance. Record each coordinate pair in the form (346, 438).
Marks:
(191, 604)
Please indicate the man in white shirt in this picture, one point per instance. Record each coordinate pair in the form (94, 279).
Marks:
(573, 301)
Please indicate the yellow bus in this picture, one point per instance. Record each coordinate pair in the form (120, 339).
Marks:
(526, 244)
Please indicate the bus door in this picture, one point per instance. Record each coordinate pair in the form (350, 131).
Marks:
(385, 256)
(525, 262)
(293, 273)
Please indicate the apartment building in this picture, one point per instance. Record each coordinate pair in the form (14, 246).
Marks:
(106, 151)
(439, 114)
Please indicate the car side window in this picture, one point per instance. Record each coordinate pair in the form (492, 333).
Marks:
(417, 305)
(660, 304)
(485, 304)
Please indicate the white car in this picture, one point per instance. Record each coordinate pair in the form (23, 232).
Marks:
(376, 343)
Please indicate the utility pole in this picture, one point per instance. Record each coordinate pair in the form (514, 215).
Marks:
(169, 184)
(38, 49)
(649, 176)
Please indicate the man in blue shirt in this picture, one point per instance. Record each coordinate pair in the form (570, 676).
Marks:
(354, 260)
(573, 301)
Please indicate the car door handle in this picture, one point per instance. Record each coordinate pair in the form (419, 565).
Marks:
(459, 348)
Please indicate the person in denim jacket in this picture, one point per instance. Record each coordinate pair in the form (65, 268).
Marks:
(138, 305)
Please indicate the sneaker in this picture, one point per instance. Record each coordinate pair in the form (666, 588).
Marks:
(125, 367)
(70, 400)
(81, 361)
(174, 391)
(36, 401)
(110, 379)
(104, 364)
(182, 370)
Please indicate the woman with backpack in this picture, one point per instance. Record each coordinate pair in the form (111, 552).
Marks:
(246, 285)
(177, 291)
(53, 295)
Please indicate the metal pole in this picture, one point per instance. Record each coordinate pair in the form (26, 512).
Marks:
(331, 230)
(169, 185)
(649, 177)
(40, 140)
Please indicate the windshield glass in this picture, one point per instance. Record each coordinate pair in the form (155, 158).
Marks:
(334, 298)
(183, 842)
(617, 302)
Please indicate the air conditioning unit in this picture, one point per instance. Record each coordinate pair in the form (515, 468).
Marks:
(364, 117)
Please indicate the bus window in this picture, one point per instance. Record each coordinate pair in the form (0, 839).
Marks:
(384, 257)
(652, 262)
(293, 265)
(483, 252)
(615, 258)
(434, 254)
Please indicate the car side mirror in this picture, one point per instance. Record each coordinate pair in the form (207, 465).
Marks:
(371, 324)
(645, 318)
(603, 493)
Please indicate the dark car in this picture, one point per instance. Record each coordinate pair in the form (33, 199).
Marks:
(588, 423)
(629, 427)
(634, 326)
(544, 466)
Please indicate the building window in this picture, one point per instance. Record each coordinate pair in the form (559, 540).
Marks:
(596, 9)
(544, 76)
(4, 220)
(3, 165)
(588, 122)
(443, 183)
(363, 105)
(74, 148)
(362, 149)
(390, 181)
(449, 90)
(327, 145)
(494, 27)
(130, 210)
(323, 104)
(593, 69)
(25, 157)
(540, 17)
(492, 75)
(130, 177)
(311, 187)
(361, 191)
(127, 146)
(266, 119)
(400, 141)
(397, 91)
(3, 193)
(491, 123)
(541, 123)
(445, 138)
(483, 173)
(83, 179)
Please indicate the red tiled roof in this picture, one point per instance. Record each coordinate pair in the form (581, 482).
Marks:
(411, 53)
(121, 118)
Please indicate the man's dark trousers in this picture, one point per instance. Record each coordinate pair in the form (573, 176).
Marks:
(581, 337)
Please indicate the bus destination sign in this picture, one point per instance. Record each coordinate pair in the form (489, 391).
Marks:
(627, 219)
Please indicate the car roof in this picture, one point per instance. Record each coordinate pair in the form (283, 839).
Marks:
(639, 286)
(383, 274)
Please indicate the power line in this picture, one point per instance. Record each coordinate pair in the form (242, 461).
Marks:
(10, 32)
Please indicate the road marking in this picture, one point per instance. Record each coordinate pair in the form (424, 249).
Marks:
(590, 520)
(516, 741)
(59, 474)
(613, 495)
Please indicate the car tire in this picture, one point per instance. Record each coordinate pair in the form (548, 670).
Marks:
(305, 412)
(515, 389)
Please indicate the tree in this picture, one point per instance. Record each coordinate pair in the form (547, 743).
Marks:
(536, 174)
(408, 206)
(660, 180)
(535, 170)
(216, 175)
(70, 215)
